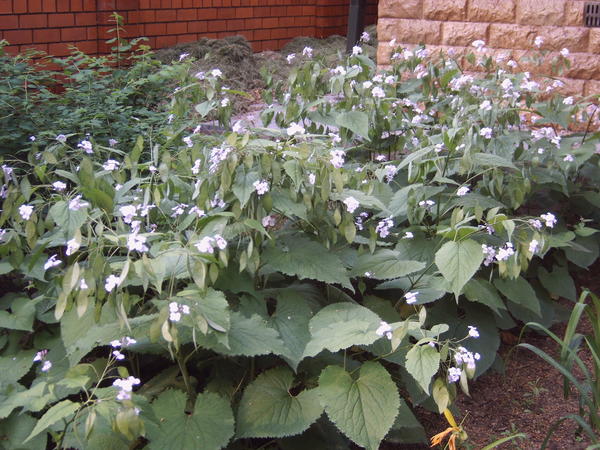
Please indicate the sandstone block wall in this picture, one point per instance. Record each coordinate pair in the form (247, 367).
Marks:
(507, 26)
(53, 25)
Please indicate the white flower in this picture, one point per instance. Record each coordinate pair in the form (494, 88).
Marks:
(538, 41)
(505, 252)
(392, 43)
(59, 186)
(72, 247)
(356, 50)
(511, 63)
(195, 210)
(261, 187)
(295, 128)
(126, 387)
(32, 138)
(426, 203)
(534, 246)
(76, 204)
(40, 356)
(52, 262)
(188, 141)
(136, 242)
(454, 374)
(118, 355)
(290, 57)
(568, 158)
(216, 73)
(377, 92)
(337, 158)
(175, 311)
(200, 75)
(25, 211)
(383, 227)
(61, 138)
(565, 52)
(411, 297)
(339, 70)
(486, 105)
(83, 285)
(238, 127)
(307, 51)
(225, 102)
(351, 204)
(549, 218)
(365, 37)
(473, 331)
(268, 221)
(111, 282)
(220, 241)
(46, 366)
(111, 165)
(535, 223)
(86, 146)
(463, 190)
(486, 132)
(390, 172)
(152, 168)
(205, 245)
(384, 330)
(312, 178)
(335, 138)
(390, 79)
(408, 235)
(112, 142)
(128, 212)
(490, 254)
(478, 44)
(217, 155)
(367, 84)
(183, 56)
(568, 101)
(178, 210)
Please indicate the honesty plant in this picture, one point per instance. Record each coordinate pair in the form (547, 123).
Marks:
(190, 290)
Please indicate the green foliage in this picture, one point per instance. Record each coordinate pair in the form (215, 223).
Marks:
(210, 424)
(269, 409)
(183, 290)
(587, 386)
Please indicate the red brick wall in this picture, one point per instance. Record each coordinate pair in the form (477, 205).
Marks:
(53, 25)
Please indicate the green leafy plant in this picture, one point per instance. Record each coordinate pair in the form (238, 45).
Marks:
(351, 260)
(587, 386)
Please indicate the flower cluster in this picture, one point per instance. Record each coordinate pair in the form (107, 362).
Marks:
(176, 310)
(384, 330)
(462, 357)
(207, 244)
(41, 357)
(125, 386)
(383, 227)
(351, 204)
(217, 155)
(121, 343)
(337, 158)
(261, 187)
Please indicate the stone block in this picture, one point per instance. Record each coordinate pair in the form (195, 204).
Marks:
(541, 12)
(463, 33)
(491, 11)
(584, 67)
(440, 10)
(384, 52)
(407, 31)
(594, 41)
(592, 87)
(512, 36)
(401, 9)
(574, 13)
(557, 38)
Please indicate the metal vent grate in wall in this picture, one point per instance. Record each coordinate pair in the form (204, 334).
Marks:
(591, 14)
